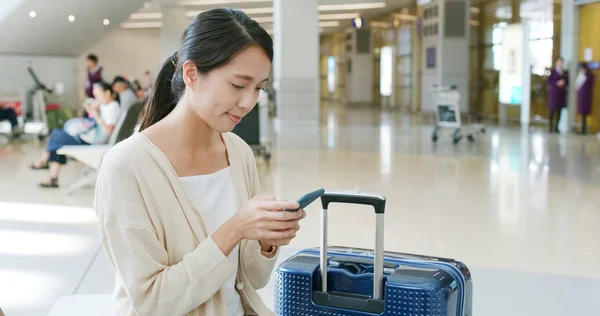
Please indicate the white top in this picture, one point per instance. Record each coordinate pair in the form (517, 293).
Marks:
(109, 113)
(213, 196)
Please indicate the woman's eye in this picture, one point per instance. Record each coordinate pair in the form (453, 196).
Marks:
(259, 88)
(237, 87)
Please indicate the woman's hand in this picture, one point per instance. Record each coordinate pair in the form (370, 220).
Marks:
(263, 218)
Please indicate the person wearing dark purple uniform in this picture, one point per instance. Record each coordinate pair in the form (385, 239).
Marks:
(585, 89)
(557, 93)
(94, 74)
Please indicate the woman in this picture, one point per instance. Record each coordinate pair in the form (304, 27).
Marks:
(557, 92)
(181, 221)
(585, 87)
(94, 74)
(81, 131)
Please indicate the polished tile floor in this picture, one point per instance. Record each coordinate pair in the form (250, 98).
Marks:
(519, 206)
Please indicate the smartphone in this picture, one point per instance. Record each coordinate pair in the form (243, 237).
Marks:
(308, 198)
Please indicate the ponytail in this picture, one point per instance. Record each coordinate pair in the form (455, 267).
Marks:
(168, 87)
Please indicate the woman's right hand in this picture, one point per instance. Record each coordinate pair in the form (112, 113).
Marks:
(263, 218)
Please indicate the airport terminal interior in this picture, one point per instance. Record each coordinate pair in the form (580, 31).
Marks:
(477, 120)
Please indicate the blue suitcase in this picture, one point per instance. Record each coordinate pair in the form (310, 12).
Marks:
(341, 281)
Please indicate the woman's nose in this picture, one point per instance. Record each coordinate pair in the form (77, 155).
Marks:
(248, 101)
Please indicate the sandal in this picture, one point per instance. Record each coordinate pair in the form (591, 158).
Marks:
(38, 166)
(53, 183)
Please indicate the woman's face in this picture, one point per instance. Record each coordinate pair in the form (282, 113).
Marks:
(226, 94)
(101, 95)
(559, 64)
(91, 63)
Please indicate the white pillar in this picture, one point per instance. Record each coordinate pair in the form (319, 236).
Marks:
(174, 23)
(569, 30)
(296, 61)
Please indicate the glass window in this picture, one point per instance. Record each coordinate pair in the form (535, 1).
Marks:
(541, 29)
(541, 56)
(497, 32)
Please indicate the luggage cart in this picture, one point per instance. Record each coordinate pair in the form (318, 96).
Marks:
(254, 128)
(447, 115)
(42, 110)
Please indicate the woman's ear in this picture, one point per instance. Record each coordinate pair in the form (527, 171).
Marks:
(190, 74)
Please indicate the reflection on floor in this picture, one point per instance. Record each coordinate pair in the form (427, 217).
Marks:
(520, 207)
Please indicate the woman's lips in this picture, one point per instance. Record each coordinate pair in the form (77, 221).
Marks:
(235, 119)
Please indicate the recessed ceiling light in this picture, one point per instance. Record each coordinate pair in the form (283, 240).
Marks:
(213, 2)
(405, 17)
(106, 22)
(71, 18)
(339, 16)
(32, 14)
(352, 6)
(329, 24)
(263, 19)
(379, 24)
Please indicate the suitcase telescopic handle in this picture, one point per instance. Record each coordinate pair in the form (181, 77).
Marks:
(378, 203)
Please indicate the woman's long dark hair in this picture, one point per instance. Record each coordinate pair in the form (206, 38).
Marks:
(212, 40)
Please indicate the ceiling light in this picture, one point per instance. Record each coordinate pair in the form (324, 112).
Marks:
(329, 24)
(339, 16)
(71, 18)
(351, 6)
(406, 17)
(32, 14)
(258, 10)
(379, 24)
(192, 14)
(263, 19)
(146, 16)
(212, 2)
(106, 22)
(147, 5)
(141, 25)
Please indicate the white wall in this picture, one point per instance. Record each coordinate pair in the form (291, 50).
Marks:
(50, 70)
(127, 52)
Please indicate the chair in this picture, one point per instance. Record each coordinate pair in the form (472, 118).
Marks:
(91, 155)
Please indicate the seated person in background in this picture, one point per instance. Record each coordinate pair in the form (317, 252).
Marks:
(81, 131)
(127, 96)
(9, 114)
